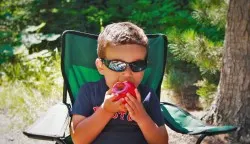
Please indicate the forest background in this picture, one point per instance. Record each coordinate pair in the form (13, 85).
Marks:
(30, 75)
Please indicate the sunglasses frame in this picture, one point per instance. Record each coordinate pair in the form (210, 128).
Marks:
(107, 62)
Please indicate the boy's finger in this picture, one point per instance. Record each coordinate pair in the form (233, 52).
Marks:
(132, 98)
(123, 108)
(130, 102)
(109, 92)
(130, 110)
(120, 101)
(110, 95)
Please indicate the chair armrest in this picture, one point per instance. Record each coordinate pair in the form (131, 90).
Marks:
(183, 122)
(51, 126)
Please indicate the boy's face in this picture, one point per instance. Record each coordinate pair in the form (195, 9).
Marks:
(126, 53)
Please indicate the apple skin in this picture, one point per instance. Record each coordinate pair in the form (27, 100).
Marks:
(122, 88)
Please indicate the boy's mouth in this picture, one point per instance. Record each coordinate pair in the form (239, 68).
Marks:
(129, 80)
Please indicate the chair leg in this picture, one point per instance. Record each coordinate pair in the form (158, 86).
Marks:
(201, 138)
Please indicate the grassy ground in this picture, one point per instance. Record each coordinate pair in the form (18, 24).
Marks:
(19, 108)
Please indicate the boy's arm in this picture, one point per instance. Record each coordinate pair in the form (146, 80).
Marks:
(86, 129)
(153, 133)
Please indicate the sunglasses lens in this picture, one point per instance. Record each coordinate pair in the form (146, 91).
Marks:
(117, 66)
(138, 66)
(120, 66)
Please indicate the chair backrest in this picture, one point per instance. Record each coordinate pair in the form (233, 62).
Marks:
(79, 54)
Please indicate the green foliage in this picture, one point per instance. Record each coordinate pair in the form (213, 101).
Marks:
(17, 27)
(154, 16)
(28, 83)
(178, 79)
(200, 44)
(64, 15)
(15, 15)
(210, 12)
(39, 70)
(206, 90)
(197, 49)
(159, 16)
(28, 78)
(6, 51)
(211, 18)
(29, 32)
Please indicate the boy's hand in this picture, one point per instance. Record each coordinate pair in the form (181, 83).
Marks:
(135, 107)
(111, 106)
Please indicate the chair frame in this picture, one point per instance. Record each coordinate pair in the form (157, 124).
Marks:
(67, 91)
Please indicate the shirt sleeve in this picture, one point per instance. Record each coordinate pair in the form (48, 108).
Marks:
(83, 105)
(152, 106)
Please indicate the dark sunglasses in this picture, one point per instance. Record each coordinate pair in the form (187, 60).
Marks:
(120, 66)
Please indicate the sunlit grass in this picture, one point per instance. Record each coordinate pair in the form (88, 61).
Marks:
(23, 104)
(29, 87)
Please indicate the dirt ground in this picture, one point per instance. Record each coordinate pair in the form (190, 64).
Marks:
(10, 134)
(15, 136)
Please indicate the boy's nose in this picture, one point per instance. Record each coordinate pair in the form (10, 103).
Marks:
(128, 71)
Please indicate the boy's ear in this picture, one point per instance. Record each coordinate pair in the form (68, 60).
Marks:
(99, 66)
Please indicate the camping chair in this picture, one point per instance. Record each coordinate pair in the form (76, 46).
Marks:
(78, 67)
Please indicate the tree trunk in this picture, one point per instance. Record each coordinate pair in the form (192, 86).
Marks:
(232, 104)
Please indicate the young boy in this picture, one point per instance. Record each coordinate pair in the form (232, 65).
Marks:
(97, 118)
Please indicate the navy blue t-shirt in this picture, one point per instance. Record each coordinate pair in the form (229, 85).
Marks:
(121, 128)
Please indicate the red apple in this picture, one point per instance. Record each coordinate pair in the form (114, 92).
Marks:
(122, 88)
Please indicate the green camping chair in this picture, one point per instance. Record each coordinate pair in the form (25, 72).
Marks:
(78, 67)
